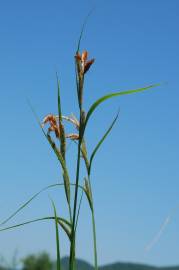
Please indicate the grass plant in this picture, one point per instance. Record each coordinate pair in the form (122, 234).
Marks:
(58, 138)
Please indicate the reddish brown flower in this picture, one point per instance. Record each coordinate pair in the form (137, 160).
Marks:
(51, 119)
(84, 56)
(82, 63)
(54, 126)
(88, 65)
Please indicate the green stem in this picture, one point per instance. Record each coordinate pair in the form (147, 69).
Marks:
(70, 213)
(94, 241)
(72, 247)
(94, 228)
(88, 168)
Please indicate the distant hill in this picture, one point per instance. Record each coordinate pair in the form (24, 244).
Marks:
(82, 265)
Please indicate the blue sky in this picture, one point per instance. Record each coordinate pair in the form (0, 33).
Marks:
(135, 176)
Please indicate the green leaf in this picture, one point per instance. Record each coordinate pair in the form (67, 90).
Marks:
(88, 194)
(57, 237)
(108, 96)
(28, 222)
(59, 101)
(57, 153)
(77, 83)
(62, 138)
(26, 203)
(36, 116)
(65, 228)
(79, 207)
(84, 154)
(32, 198)
(83, 28)
(100, 142)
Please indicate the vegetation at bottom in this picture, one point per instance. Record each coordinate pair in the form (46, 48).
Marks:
(42, 261)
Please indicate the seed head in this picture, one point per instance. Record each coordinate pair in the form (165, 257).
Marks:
(83, 64)
(51, 119)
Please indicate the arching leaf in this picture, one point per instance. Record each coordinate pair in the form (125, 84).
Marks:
(27, 202)
(32, 198)
(100, 142)
(31, 221)
(57, 237)
(116, 94)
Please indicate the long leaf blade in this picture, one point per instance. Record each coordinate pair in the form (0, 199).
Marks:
(108, 96)
(32, 198)
(26, 223)
(27, 202)
(57, 237)
(78, 212)
(83, 28)
(59, 100)
(101, 141)
(61, 127)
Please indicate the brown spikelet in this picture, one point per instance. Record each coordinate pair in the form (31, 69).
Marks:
(84, 56)
(82, 64)
(51, 119)
(78, 56)
(88, 65)
(72, 136)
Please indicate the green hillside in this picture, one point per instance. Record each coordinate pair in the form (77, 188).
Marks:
(42, 261)
(82, 265)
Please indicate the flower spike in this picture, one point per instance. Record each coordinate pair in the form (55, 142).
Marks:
(50, 118)
(82, 64)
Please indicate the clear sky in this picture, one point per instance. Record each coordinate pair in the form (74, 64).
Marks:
(135, 177)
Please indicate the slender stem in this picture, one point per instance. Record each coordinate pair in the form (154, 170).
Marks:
(72, 247)
(79, 207)
(79, 84)
(88, 168)
(94, 228)
(70, 213)
(94, 241)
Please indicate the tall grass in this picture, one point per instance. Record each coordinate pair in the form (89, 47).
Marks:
(57, 138)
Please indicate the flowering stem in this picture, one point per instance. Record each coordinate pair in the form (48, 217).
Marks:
(72, 247)
(88, 168)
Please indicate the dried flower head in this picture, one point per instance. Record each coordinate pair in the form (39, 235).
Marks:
(83, 64)
(54, 126)
(51, 119)
(84, 56)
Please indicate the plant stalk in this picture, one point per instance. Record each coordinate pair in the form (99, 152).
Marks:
(94, 241)
(72, 247)
(94, 227)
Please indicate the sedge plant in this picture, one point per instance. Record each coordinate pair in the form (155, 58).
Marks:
(57, 137)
